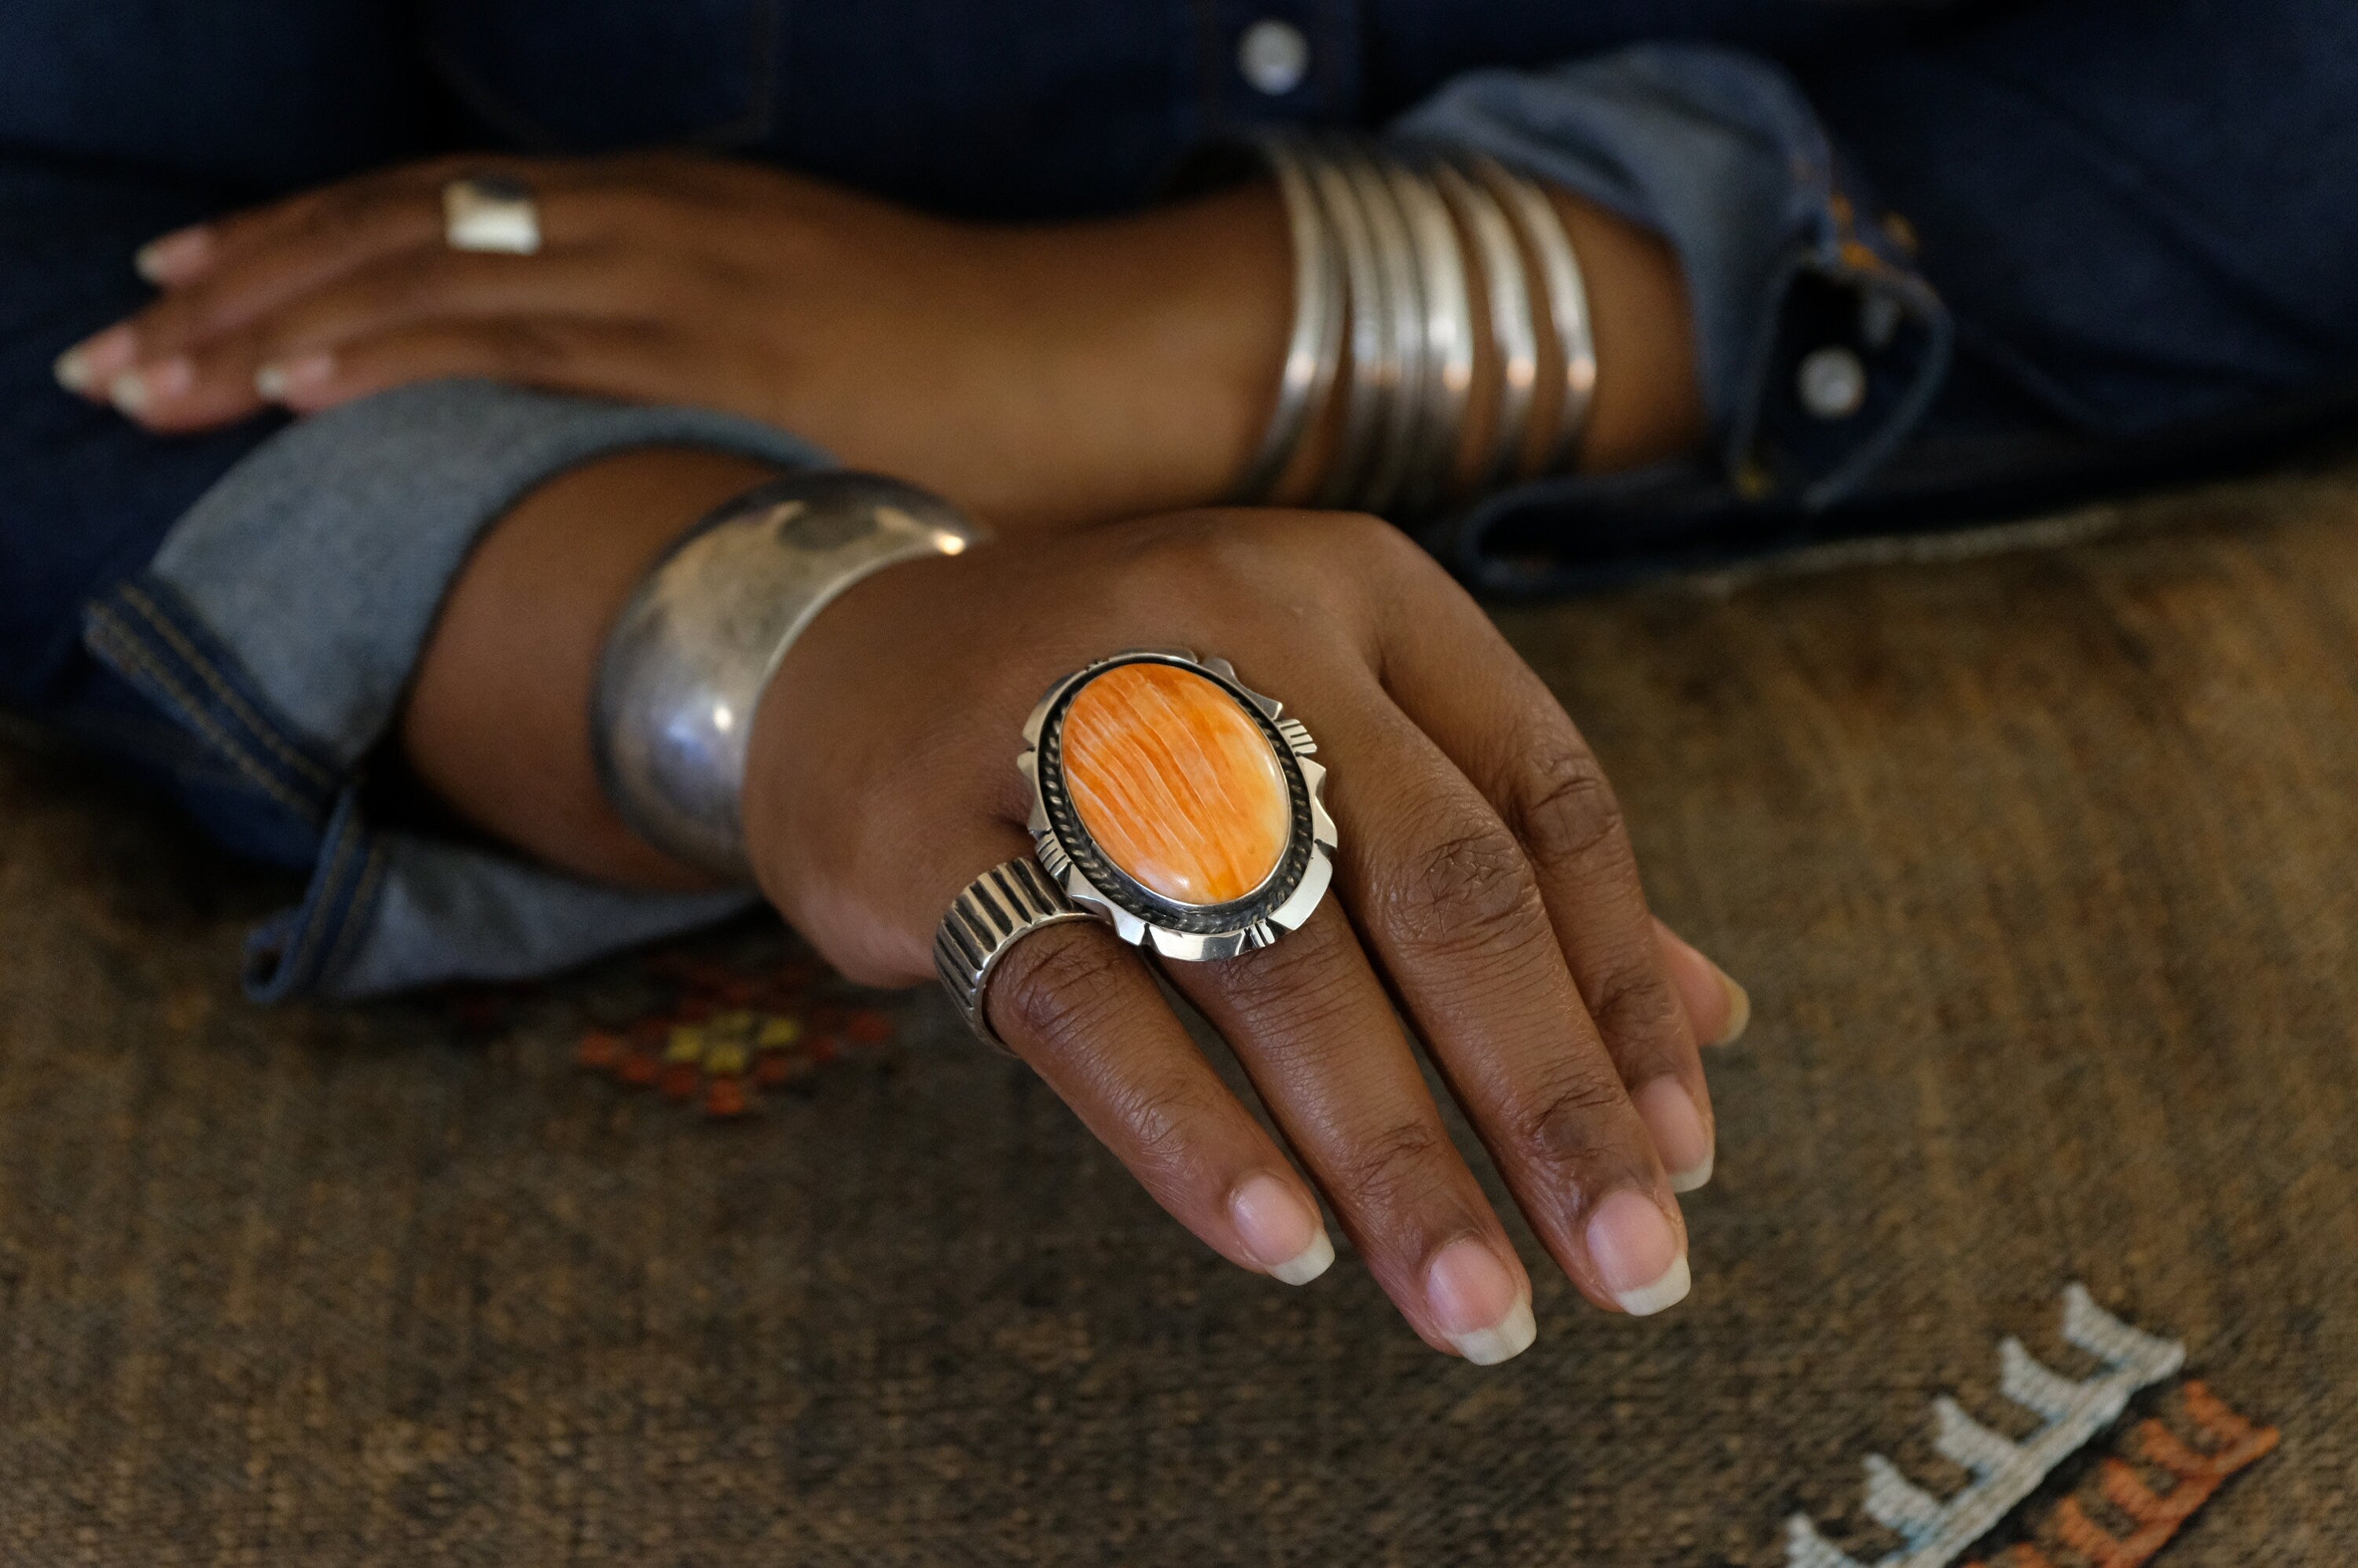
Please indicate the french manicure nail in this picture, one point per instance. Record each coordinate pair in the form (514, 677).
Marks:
(174, 255)
(1479, 1308)
(1637, 1253)
(1281, 1232)
(1680, 1137)
(97, 360)
(279, 379)
(1740, 1007)
(136, 390)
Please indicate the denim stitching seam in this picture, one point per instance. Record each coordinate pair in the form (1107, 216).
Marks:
(109, 635)
(153, 614)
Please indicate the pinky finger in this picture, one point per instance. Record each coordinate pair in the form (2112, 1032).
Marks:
(602, 358)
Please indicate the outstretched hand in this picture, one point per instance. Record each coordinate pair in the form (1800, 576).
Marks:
(1043, 374)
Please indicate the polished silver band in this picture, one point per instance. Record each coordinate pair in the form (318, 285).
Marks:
(1404, 321)
(1566, 292)
(998, 909)
(1364, 392)
(494, 212)
(688, 658)
(1314, 352)
(1447, 329)
(1386, 243)
(1505, 289)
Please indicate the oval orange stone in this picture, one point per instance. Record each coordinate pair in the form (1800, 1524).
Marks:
(1175, 782)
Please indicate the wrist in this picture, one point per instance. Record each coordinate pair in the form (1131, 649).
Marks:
(1175, 323)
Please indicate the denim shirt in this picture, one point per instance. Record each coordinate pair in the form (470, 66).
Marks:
(2062, 241)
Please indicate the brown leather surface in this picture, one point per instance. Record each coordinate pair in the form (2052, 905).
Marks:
(2040, 866)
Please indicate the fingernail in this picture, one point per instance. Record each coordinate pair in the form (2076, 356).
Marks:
(276, 381)
(97, 360)
(1740, 1007)
(173, 256)
(1281, 1232)
(1638, 1254)
(1476, 1304)
(1680, 1137)
(136, 390)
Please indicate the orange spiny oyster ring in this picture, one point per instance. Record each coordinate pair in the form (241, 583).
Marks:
(1168, 800)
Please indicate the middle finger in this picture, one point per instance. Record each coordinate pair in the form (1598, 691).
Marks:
(1451, 907)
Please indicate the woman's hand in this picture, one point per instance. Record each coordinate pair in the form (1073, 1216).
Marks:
(1048, 375)
(1483, 878)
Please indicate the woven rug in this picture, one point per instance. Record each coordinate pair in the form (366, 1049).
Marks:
(2037, 851)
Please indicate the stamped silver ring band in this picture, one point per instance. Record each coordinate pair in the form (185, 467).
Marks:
(998, 909)
(491, 212)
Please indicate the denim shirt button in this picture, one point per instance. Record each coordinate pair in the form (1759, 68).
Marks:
(1273, 55)
(1832, 382)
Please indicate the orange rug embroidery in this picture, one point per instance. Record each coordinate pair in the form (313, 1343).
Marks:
(2191, 1472)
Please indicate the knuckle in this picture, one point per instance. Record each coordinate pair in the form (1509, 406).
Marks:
(1394, 1163)
(1162, 1119)
(1467, 889)
(1059, 989)
(1635, 1007)
(1565, 811)
(1560, 1121)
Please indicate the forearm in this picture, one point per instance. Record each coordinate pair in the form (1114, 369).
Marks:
(497, 723)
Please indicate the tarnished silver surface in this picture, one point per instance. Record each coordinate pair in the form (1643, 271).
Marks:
(999, 909)
(686, 664)
(491, 212)
(1138, 914)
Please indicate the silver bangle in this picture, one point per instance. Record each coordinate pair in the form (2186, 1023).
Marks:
(1567, 302)
(1365, 395)
(1448, 333)
(1385, 244)
(1507, 287)
(1401, 313)
(688, 658)
(1314, 352)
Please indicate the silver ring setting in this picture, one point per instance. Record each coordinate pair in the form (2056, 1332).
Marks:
(494, 214)
(1091, 876)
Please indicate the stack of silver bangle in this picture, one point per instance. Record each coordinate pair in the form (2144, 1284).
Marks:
(1386, 243)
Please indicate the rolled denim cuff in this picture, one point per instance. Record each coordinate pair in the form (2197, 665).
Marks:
(281, 620)
(1818, 344)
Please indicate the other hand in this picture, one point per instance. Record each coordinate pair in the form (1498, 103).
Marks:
(1049, 374)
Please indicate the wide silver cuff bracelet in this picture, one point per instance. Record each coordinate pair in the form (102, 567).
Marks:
(688, 658)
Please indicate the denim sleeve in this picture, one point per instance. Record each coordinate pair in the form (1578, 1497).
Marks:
(1789, 267)
(278, 624)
